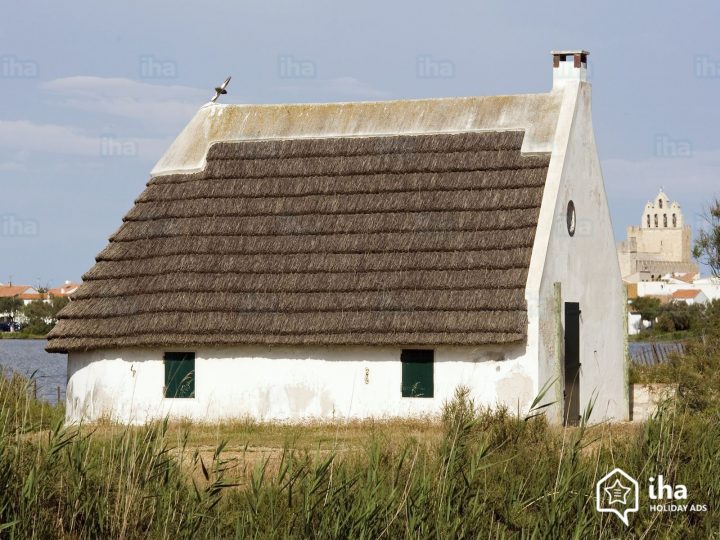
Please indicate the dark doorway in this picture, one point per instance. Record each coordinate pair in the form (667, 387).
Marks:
(571, 395)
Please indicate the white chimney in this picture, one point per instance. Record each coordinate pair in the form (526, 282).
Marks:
(569, 66)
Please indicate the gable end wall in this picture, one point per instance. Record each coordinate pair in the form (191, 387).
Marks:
(585, 266)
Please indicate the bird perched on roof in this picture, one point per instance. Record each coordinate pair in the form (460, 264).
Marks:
(220, 90)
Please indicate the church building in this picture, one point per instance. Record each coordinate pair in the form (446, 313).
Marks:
(661, 245)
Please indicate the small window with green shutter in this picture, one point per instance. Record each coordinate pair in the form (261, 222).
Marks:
(417, 372)
(179, 374)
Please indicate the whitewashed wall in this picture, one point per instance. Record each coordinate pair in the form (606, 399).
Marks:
(659, 288)
(710, 287)
(290, 383)
(635, 324)
(585, 265)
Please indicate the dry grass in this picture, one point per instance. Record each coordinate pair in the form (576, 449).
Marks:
(249, 443)
(470, 473)
(251, 436)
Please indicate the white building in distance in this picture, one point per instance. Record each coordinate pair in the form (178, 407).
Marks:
(661, 245)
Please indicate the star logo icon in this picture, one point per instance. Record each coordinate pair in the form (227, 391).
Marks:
(617, 492)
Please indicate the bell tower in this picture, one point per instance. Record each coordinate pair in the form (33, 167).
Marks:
(661, 245)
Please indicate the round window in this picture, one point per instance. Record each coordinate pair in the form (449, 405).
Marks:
(571, 219)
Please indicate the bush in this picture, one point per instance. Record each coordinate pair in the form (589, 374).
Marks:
(37, 327)
(665, 323)
(647, 306)
(680, 317)
(697, 372)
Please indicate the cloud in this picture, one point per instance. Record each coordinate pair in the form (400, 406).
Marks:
(699, 173)
(338, 87)
(696, 176)
(12, 166)
(15, 161)
(160, 110)
(54, 138)
(164, 106)
(25, 136)
(691, 181)
(354, 87)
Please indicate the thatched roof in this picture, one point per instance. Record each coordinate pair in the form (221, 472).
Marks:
(383, 240)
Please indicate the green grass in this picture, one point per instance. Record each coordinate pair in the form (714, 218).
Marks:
(657, 335)
(474, 473)
(19, 411)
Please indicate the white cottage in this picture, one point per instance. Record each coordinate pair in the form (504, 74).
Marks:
(352, 260)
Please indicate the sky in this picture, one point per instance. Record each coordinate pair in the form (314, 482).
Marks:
(92, 93)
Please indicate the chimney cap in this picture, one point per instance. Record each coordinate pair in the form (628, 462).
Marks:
(568, 52)
(579, 57)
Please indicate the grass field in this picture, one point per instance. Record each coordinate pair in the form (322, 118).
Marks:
(471, 473)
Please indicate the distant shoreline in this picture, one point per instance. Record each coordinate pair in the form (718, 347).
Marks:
(20, 335)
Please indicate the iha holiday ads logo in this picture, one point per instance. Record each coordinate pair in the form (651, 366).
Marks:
(619, 493)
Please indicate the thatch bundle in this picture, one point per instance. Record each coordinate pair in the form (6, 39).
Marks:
(191, 186)
(397, 240)
(224, 280)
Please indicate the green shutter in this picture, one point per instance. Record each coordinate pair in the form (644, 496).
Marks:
(417, 373)
(179, 375)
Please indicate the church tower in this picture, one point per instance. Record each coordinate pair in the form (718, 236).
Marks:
(662, 244)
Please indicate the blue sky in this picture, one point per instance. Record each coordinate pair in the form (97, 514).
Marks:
(91, 93)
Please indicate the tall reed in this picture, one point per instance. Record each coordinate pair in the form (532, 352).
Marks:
(489, 473)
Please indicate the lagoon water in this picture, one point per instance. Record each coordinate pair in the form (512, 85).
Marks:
(28, 356)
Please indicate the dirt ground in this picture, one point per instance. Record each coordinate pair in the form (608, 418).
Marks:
(250, 445)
